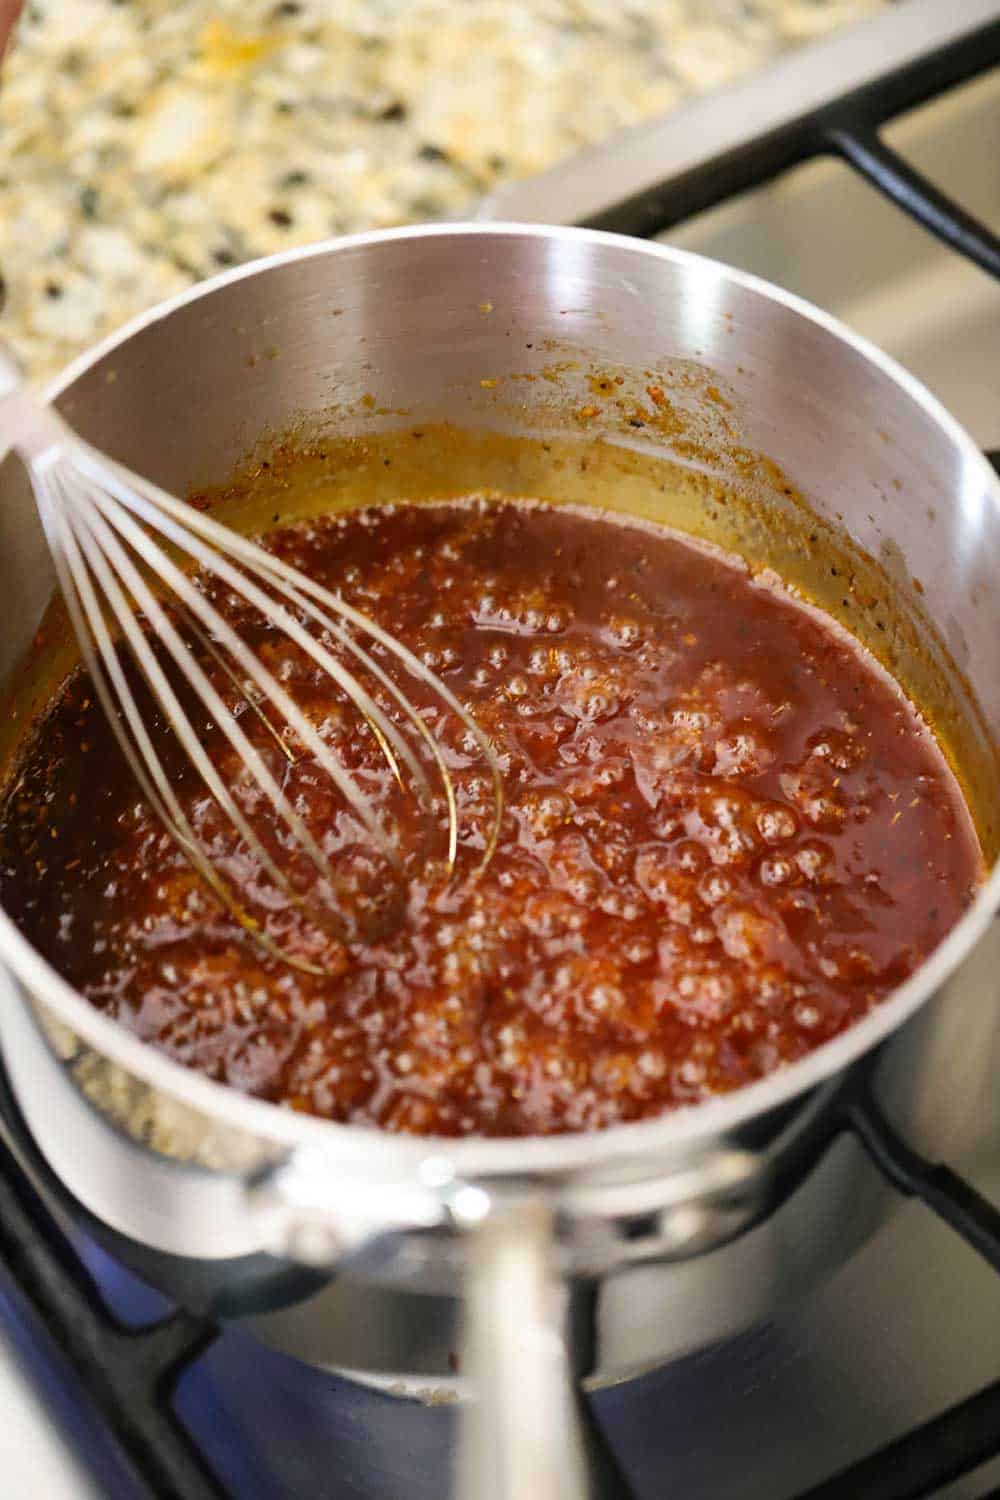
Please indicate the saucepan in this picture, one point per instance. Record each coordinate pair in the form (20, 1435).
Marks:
(521, 356)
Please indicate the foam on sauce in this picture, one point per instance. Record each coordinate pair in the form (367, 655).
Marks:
(727, 837)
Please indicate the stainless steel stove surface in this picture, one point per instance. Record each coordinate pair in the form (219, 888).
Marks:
(907, 1329)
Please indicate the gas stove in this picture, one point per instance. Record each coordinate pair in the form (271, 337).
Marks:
(884, 1384)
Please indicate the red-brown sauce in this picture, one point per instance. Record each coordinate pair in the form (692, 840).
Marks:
(727, 837)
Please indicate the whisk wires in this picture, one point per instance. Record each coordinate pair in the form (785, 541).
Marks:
(125, 553)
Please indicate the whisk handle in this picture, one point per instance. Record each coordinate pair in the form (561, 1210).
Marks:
(10, 385)
(10, 374)
(26, 423)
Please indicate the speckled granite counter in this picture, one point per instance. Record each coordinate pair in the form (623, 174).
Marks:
(147, 143)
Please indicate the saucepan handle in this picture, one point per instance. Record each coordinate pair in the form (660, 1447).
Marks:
(521, 1433)
(525, 1433)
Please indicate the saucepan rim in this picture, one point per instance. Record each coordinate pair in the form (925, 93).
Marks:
(680, 1132)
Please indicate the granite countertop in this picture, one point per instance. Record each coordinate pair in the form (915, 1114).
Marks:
(145, 144)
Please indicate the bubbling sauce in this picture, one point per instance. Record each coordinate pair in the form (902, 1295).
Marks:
(727, 837)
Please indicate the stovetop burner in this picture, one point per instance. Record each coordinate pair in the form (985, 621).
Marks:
(896, 1358)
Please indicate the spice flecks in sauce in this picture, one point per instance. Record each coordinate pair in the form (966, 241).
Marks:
(727, 838)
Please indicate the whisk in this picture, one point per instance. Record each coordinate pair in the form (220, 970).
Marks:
(109, 531)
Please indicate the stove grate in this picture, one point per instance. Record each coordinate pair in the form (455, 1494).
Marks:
(847, 127)
(129, 1373)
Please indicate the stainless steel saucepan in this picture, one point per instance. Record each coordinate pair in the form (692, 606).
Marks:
(674, 1230)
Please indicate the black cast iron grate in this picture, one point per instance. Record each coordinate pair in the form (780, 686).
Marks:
(131, 1374)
